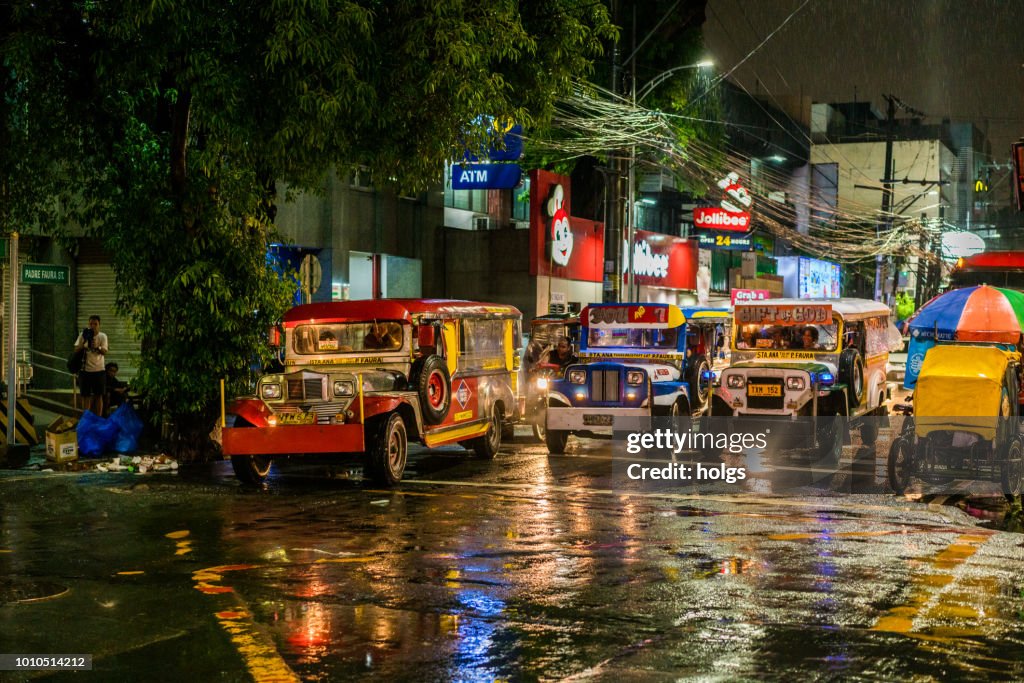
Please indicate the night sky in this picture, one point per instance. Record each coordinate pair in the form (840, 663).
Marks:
(962, 59)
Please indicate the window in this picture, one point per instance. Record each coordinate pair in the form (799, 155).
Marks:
(521, 202)
(787, 337)
(482, 344)
(632, 338)
(348, 338)
(361, 178)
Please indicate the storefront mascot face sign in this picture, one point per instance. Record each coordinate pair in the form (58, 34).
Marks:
(561, 233)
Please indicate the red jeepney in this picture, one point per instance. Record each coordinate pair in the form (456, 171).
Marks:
(369, 376)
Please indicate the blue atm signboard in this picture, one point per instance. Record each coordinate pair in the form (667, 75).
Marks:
(512, 141)
(486, 176)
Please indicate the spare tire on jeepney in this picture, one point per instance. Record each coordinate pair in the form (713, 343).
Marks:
(433, 385)
(851, 373)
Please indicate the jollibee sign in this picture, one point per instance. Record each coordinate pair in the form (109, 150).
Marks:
(714, 218)
(731, 214)
(562, 245)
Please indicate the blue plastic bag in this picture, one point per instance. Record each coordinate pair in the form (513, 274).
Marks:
(129, 426)
(95, 434)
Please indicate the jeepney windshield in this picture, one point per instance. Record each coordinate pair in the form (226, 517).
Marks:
(823, 338)
(633, 338)
(348, 338)
(548, 333)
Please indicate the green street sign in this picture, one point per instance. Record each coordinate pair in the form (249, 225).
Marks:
(45, 274)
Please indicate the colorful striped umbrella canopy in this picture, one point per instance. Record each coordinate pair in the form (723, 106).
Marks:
(972, 314)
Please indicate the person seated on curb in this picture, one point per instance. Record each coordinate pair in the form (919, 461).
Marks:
(116, 389)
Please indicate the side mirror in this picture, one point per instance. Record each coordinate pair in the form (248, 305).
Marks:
(274, 334)
(425, 336)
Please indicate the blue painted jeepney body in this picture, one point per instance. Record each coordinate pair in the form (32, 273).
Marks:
(636, 361)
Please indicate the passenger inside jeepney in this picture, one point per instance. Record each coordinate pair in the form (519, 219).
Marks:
(383, 337)
(787, 337)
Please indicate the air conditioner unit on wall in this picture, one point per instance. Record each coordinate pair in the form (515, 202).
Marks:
(482, 223)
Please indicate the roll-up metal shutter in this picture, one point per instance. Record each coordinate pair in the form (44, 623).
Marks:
(97, 295)
(24, 312)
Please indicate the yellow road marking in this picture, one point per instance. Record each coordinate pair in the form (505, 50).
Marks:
(261, 658)
(927, 588)
(177, 534)
(131, 573)
(343, 560)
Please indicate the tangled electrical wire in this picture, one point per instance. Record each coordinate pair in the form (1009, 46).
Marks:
(593, 121)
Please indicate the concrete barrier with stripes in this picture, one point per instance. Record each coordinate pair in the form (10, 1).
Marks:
(24, 427)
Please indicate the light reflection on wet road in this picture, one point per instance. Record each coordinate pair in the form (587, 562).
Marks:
(521, 568)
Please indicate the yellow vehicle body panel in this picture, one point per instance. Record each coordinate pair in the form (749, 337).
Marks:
(962, 388)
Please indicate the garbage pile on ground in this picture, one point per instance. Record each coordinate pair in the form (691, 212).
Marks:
(92, 436)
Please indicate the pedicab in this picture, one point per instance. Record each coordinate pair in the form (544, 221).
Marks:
(966, 416)
(964, 365)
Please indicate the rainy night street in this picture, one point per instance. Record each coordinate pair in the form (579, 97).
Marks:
(526, 567)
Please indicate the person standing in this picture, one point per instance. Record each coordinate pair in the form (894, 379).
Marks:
(92, 378)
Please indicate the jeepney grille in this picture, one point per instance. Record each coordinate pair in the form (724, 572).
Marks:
(323, 411)
(604, 385)
(765, 402)
(305, 389)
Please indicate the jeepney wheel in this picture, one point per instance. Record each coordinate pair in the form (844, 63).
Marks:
(830, 438)
(388, 452)
(900, 464)
(251, 469)
(539, 431)
(433, 384)
(508, 432)
(1012, 468)
(555, 440)
(700, 382)
(869, 432)
(487, 446)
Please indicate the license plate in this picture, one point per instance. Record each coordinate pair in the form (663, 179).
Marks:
(598, 420)
(296, 419)
(764, 390)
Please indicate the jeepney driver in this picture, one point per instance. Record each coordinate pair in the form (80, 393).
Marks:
(562, 355)
(379, 337)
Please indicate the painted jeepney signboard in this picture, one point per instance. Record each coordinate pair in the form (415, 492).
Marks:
(793, 314)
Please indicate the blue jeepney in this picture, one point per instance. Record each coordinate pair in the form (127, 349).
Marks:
(635, 361)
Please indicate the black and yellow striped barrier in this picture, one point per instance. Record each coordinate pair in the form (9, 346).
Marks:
(24, 427)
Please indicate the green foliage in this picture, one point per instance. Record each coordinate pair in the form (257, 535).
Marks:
(163, 127)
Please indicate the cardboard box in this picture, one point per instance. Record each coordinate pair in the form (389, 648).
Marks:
(62, 440)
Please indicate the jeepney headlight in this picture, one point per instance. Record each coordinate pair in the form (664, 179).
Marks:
(635, 377)
(541, 383)
(795, 383)
(735, 382)
(344, 387)
(271, 390)
(578, 376)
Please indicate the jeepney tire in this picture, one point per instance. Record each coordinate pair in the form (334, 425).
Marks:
(869, 432)
(251, 470)
(486, 447)
(555, 440)
(851, 373)
(700, 389)
(433, 385)
(508, 432)
(539, 431)
(387, 453)
(900, 464)
(1012, 468)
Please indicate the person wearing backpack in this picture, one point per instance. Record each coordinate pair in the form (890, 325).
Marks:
(92, 378)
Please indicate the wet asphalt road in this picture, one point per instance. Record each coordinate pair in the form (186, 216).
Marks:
(526, 567)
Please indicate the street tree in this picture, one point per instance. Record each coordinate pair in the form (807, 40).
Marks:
(167, 128)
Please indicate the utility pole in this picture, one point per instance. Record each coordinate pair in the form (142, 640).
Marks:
(613, 232)
(890, 118)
